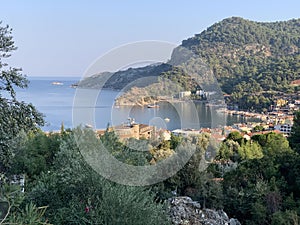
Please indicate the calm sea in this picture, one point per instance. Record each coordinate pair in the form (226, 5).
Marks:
(60, 103)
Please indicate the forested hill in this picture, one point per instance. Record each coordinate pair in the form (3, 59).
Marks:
(250, 59)
(253, 61)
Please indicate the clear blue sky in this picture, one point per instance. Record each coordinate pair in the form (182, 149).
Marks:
(62, 37)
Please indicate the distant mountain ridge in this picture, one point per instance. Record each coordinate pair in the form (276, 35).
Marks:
(125, 79)
(251, 60)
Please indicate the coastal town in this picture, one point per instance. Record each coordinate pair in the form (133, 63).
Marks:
(278, 119)
(144, 131)
(150, 113)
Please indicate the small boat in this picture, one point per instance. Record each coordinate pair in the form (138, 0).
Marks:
(88, 126)
(153, 106)
(74, 85)
(57, 83)
(167, 120)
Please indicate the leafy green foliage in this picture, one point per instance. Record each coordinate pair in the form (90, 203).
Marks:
(14, 211)
(254, 181)
(272, 143)
(235, 148)
(35, 154)
(14, 115)
(250, 150)
(29, 215)
(289, 217)
(192, 180)
(263, 190)
(76, 194)
(252, 61)
(175, 141)
(133, 152)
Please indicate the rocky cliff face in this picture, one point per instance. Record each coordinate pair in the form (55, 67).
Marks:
(185, 211)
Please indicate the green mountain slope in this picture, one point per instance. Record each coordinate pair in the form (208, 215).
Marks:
(125, 79)
(250, 59)
(253, 62)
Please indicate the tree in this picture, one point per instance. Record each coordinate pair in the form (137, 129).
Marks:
(228, 150)
(235, 136)
(258, 128)
(294, 139)
(288, 217)
(35, 153)
(192, 180)
(250, 150)
(272, 143)
(14, 209)
(14, 115)
(76, 194)
(175, 141)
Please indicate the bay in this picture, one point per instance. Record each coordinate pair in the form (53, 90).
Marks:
(60, 103)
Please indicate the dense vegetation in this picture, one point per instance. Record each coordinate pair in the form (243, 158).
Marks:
(252, 180)
(124, 79)
(252, 61)
(14, 115)
(256, 180)
(60, 188)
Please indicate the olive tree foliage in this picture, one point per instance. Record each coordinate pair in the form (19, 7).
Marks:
(14, 115)
(76, 194)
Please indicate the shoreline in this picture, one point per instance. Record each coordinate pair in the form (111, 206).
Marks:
(269, 117)
(159, 101)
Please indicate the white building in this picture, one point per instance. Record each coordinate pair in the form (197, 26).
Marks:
(284, 128)
(184, 94)
(185, 132)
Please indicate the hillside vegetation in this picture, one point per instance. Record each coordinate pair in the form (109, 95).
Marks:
(125, 79)
(251, 60)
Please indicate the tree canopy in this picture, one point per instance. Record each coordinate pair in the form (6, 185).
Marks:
(251, 60)
(14, 115)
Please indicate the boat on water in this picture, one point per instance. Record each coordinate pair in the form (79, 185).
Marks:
(57, 83)
(74, 85)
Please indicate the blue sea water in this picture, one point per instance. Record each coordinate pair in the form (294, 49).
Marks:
(64, 104)
(54, 101)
